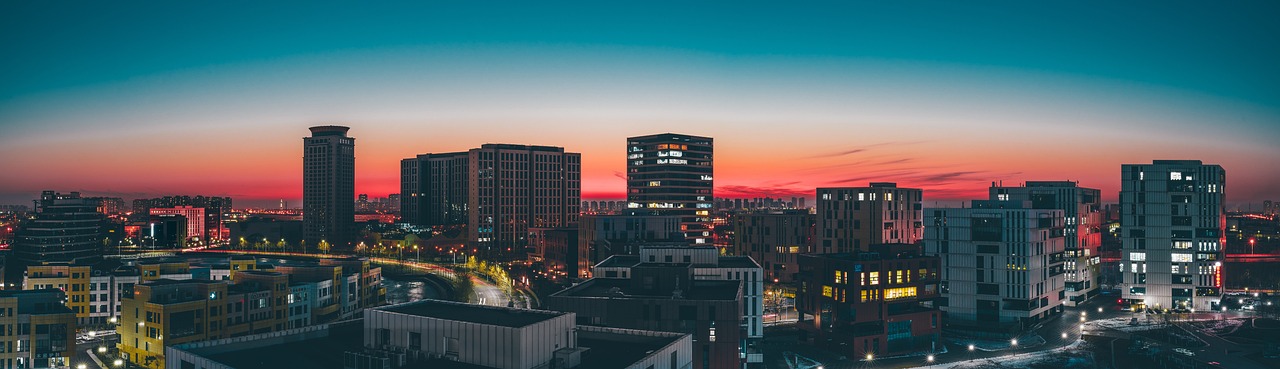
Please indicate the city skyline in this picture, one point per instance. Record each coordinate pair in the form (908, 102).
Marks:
(850, 95)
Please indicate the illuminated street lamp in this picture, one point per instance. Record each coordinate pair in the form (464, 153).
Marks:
(1064, 334)
(929, 358)
(1014, 342)
(970, 347)
(102, 349)
(870, 356)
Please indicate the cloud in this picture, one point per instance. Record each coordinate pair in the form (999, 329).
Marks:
(742, 191)
(619, 175)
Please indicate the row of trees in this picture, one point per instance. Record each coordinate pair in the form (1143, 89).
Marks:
(263, 244)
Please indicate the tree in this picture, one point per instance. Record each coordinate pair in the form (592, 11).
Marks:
(463, 288)
(282, 245)
(244, 245)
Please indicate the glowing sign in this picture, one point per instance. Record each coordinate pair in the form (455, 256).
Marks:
(1217, 277)
(672, 161)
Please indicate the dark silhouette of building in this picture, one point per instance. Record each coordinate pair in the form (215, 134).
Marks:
(328, 186)
(850, 218)
(66, 228)
(775, 240)
(214, 207)
(876, 302)
(434, 189)
(671, 174)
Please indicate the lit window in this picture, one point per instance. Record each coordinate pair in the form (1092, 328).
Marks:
(875, 278)
(898, 293)
(1175, 176)
(1182, 258)
(1137, 256)
(826, 291)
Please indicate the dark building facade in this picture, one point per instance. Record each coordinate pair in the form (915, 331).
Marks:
(775, 240)
(603, 236)
(434, 188)
(517, 187)
(558, 251)
(672, 174)
(66, 228)
(877, 302)
(665, 297)
(328, 186)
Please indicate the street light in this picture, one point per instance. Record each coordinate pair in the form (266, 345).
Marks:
(970, 347)
(118, 362)
(1014, 342)
(929, 358)
(1064, 334)
(102, 349)
(869, 357)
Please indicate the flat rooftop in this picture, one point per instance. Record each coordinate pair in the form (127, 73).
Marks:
(324, 352)
(607, 348)
(480, 314)
(605, 287)
(616, 350)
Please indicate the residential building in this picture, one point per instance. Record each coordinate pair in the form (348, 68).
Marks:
(517, 187)
(66, 228)
(1002, 264)
(445, 335)
(165, 231)
(877, 302)
(1082, 211)
(1172, 234)
(672, 174)
(774, 239)
(851, 218)
(602, 236)
(328, 186)
(41, 331)
(667, 297)
(435, 189)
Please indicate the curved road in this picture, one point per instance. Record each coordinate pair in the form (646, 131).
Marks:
(486, 293)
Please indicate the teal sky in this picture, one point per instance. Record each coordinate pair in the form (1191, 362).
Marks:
(158, 98)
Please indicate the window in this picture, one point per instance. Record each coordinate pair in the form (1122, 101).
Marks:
(875, 278)
(1137, 256)
(898, 293)
(1182, 258)
(826, 291)
(1175, 176)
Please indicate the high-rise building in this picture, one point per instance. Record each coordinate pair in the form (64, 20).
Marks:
(1172, 234)
(109, 205)
(671, 174)
(66, 228)
(328, 186)
(1002, 264)
(1082, 211)
(434, 189)
(775, 240)
(851, 218)
(517, 187)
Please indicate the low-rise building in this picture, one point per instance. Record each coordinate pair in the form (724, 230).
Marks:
(39, 329)
(876, 302)
(444, 335)
(775, 240)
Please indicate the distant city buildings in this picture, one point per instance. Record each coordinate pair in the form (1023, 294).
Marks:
(1082, 225)
(850, 218)
(66, 228)
(671, 174)
(1002, 264)
(328, 186)
(775, 240)
(194, 219)
(1172, 233)
(210, 223)
(877, 302)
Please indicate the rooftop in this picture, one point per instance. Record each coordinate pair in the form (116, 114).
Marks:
(621, 288)
(324, 352)
(613, 348)
(480, 314)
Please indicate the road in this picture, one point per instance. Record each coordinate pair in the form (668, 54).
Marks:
(1052, 331)
(486, 293)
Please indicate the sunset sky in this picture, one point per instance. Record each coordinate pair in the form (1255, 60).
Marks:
(214, 98)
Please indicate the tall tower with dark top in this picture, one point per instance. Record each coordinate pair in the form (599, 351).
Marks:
(328, 186)
(671, 174)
